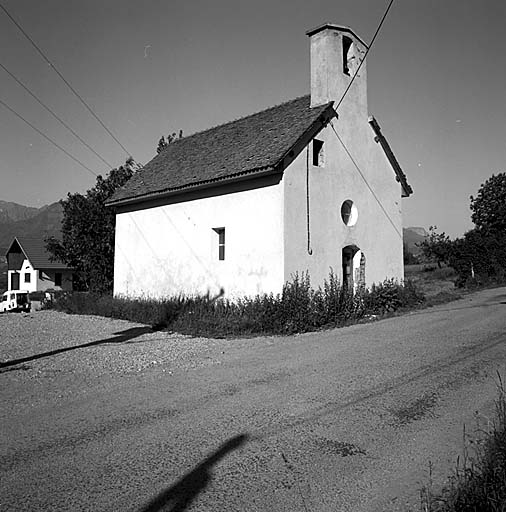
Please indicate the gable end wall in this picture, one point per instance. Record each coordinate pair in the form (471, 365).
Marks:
(375, 233)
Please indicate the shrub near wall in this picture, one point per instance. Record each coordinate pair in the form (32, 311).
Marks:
(299, 308)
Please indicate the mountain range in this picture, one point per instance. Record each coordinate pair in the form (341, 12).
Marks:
(414, 236)
(26, 221)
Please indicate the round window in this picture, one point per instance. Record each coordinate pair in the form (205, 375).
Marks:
(349, 213)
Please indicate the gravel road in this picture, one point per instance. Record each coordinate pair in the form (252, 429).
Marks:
(101, 414)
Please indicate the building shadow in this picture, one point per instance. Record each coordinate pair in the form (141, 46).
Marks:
(119, 337)
(179, 496)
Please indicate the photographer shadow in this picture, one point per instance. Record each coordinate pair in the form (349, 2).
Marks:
(180, 495)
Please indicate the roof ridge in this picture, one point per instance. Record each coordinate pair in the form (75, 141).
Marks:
(256, 141)
(299, 98)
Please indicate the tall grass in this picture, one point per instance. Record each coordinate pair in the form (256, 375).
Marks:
(479, 482)
(299, 308)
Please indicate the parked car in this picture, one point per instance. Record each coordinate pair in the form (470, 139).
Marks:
(15, 300)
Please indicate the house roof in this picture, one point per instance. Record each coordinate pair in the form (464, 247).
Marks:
(35, 252)
(248, 146)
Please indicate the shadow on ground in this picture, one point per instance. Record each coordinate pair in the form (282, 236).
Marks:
(119, 337)
(179, 496)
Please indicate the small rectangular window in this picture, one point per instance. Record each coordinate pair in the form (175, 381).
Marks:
(221, 242)
(27, 277)
(57, 279)
(318, 153)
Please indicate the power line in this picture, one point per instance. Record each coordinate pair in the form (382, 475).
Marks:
(41, 53)
(365, 180)
(32, 94)
(47, 138)
(365, 55)
(342, 99)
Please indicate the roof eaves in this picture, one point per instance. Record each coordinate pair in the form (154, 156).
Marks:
(333, 26)
(259, 171)
(401, 177)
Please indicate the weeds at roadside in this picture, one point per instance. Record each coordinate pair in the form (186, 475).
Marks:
(479, 481)
(299, 308)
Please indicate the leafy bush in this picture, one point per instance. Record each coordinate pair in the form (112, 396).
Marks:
(479, 258)
(389, 296)
(299, 308)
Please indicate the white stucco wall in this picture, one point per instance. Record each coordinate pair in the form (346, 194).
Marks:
(378, 230)
(172, 249)
(40, 280)
(26, 269)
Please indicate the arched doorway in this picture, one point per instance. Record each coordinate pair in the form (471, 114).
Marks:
(353, 260)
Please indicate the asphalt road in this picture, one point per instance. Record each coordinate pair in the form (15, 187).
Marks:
(344, 420)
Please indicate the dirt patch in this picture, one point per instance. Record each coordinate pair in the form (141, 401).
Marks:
(416, 409)
(343, 449)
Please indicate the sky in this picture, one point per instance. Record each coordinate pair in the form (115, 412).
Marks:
(436, 84)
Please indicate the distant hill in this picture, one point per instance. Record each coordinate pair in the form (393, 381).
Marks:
(413, 236)
(28, 222)
(12, 212)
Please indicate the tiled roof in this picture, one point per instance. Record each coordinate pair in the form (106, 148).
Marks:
(252, 144)
(35, 251)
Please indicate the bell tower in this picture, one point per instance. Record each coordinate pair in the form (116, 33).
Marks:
(336, 53)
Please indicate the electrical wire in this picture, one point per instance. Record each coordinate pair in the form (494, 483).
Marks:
(41, 53)
(365, 180)
(366, 53)
(48, 109)
(340, 102)
(47, 138)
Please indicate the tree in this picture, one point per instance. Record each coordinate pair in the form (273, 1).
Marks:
(87, 243)
(408, 256)
(436, 247)
(164, 142)
(479, 257)
(489, 206)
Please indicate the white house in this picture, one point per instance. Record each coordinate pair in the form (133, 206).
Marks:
(308, 185)
(30, 269)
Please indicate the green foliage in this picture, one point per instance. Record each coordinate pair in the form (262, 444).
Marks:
(87, 236)
(39, 295)
(298, 308)
(489, 206)
(436, 247)
(479, 258)
(165, 141)
(478, 483)
(389, 296)
(408, 257)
